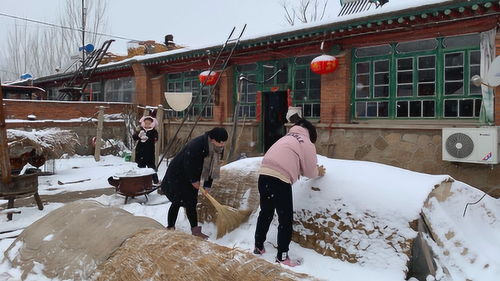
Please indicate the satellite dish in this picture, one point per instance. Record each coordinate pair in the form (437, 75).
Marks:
(26, 76)
(178, 101)
(88, 48)
(493, 75)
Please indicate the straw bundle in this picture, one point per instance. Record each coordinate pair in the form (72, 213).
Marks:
(228, 218)
(51, 143)
(177, 256)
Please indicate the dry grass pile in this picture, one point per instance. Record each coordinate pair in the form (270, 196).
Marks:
(51, 142)
(70, 242)
(177, 256)
(232, 189)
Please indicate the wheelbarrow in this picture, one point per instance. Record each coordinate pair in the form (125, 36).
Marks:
(132, 186)
(20, 186)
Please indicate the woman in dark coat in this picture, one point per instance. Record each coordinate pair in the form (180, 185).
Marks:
(146, 138)
(198, 161)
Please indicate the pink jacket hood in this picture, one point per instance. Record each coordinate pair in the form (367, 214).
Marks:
(293, 155)
(155, 122)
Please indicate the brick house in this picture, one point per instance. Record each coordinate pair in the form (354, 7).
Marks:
(404, 74)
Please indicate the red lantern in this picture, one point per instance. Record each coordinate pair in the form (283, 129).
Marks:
(208, 79)
(324, 64)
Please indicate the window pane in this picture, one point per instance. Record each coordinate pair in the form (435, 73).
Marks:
(362, 67)
(371, 109)
(415, 109)
(300, 84)
(454, 74)
(402, 109)
(382, 66)
(429, 108)
(299, 95)
(405, 90)
(426, 62)
(450, 108)
(466, 108)
(381, 78)
(174, 76)
(361, 109)
(383, 109)
(477, 107)
(426, 75)
(415, 46)
(405, 64)
(373, 51)
(315, 83)
(282, 76)
(362, 85)
(454, 59)
(468, 40)
(381, 91)
(307, 110)
(453, 88)
(300, 74)
(426, 89)
(405, 77)
(316, 110)
(314, 94)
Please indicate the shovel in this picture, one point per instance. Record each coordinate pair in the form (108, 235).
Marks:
(228, 218)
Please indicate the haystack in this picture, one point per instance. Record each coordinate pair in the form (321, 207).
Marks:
(177, 256)
(327, 221)
(52, 143)
(70, 242)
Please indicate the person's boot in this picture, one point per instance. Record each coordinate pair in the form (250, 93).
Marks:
(170, 227)
(286, 260)
(196, 231)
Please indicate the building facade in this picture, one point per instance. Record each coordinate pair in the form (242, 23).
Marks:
(403, 75)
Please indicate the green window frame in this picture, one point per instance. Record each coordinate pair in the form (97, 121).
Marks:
(423, 79)
(249, 91)
(306, 87)
(189, 82)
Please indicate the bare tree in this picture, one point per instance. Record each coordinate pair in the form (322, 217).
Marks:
(43, 50)
(305, 11)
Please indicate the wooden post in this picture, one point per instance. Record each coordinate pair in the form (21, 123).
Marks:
(98, 137)
(159, 143)
(4, 147)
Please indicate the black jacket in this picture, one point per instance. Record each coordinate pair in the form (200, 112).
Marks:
(145, 151)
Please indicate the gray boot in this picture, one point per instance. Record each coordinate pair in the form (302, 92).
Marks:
(196, 231)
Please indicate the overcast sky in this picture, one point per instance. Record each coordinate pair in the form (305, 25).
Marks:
(192, 22)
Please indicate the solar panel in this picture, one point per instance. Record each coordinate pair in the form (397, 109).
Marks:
(350, 7)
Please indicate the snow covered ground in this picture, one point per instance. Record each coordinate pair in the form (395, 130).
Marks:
(364, 186)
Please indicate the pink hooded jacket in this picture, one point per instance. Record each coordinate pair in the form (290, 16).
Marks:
(293, 155)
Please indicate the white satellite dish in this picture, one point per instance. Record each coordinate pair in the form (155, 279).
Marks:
(178, 101)
(493, 75)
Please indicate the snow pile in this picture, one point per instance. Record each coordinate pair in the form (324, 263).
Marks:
(355, 213)
(467, 247)
(52, 142)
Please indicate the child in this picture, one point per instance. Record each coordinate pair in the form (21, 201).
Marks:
(145, 148)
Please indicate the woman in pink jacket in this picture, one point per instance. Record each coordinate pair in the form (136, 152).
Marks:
(291, 156)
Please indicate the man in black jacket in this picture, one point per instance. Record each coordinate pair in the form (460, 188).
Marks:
(198, 161)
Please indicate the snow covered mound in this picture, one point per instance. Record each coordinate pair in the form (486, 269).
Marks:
(176, 256)
(70, 242)
(355, 213)
(467, 246)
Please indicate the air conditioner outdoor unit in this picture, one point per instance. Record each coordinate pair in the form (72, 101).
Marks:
(472, 145)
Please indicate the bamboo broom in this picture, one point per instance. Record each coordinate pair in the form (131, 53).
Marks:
(228, 218)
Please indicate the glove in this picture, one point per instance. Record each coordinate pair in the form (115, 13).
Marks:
(321, 171)
(142, 136)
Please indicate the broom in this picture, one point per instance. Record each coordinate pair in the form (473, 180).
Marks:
(228, 218)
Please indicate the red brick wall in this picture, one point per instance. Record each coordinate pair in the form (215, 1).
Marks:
(336, 92)
(223, 108)
(57, 110)
(143, 85)
(158, 87)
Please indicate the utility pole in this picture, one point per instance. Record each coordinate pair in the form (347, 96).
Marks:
(83, 34)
